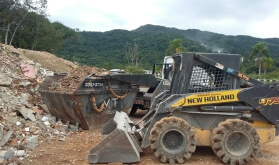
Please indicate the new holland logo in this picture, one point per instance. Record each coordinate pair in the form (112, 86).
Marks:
(269, 101)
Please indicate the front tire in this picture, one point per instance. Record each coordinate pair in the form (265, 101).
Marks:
(173, 140)
(235, 141)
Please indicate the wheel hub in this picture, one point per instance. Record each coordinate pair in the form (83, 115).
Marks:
(173, 141)
(237, 143)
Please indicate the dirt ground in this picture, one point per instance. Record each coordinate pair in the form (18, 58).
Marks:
(75, 148)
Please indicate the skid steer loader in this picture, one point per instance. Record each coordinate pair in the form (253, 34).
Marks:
(209, 103)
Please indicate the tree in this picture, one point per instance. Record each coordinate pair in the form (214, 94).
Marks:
(267, 64)
(38, 33)
(175, 46)
(13, 12)
(259, 50)
(132, 54)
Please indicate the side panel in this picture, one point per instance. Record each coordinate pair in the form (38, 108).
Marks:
(264, 130)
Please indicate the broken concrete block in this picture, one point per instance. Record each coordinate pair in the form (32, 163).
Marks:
(5, 80)
(45, 118)
(30, 115)
(11, 119)
(41, 124)
(1, 160)
(19, 152)
(32, 142)
(5, 138)
(73, 128)
(55, 132)
(47, 123)
(24, 97)
(27, 113)
(10, 153)
(25, 83)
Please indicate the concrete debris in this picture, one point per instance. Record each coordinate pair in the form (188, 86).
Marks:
(70, 82)
(19, 152)
(25, 120)
(27, 113)
(5, 138)
(10, 153)
(5, 80)
(32, 142)
(73, 128)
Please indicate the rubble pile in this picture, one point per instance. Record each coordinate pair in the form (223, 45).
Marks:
(71, 80)
(25, 121)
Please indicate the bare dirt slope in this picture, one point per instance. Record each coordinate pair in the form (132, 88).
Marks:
(48, 60)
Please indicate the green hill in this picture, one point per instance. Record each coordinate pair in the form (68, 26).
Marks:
(107, 49)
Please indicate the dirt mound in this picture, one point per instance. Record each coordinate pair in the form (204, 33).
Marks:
(25, 119)
(48, 60)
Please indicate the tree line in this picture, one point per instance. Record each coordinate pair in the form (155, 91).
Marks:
(24, 24)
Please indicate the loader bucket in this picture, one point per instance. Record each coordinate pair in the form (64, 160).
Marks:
(90, 104)
(120, 145)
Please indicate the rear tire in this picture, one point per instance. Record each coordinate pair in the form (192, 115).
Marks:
(235, 141)
(172, 140)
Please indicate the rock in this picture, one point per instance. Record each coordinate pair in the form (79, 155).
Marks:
(42, 124)
(25, 97)
(32, 142)
(27, 113)
(73, 128)
(19, 152)
(62, 138)
(4, 138)
(10, 153)
(1, 160)
(5, 80)
(30, 115)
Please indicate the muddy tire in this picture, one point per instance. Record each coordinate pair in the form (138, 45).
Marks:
(172, 140)
(235, 141)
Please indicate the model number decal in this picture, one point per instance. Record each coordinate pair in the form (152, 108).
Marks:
(93, 84)
(269, 101)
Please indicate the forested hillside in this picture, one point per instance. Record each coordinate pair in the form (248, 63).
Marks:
(107, 49)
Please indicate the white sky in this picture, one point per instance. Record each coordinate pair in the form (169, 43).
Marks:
(257, 18)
